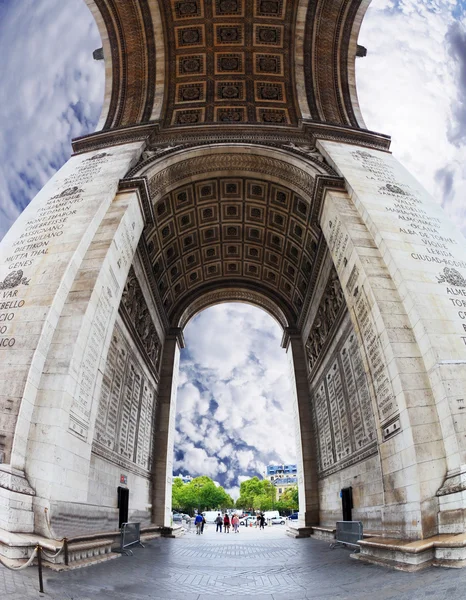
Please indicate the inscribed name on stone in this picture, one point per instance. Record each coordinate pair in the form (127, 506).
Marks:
(127, 403)
(342, 409)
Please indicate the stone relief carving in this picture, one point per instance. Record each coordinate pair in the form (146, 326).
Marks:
(14, 279)
(232, 162)
(15, 483)
(135, 305)
(305, 150)
(330, 305)
(451, 276)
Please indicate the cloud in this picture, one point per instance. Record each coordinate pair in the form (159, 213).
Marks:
(456, 40)
(51, 92)
(412, 85)
(233, 363)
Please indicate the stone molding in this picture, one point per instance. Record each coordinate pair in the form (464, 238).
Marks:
(15, 481)
(307, 133)
(140, 184)
(168, 176)
(212, 297)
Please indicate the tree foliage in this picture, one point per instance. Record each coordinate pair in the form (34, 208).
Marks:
(256, 494)
(201, 493)
(289, 499)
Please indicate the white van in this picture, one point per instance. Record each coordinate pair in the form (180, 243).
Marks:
(270, 514)
(211, 515)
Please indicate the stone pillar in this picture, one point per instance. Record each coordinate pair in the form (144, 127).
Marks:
(164, 431)
(40, 258)
(304, 432)
(425, 254)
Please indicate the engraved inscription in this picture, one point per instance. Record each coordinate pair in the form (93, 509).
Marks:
(127, 402)
(342, 409)
(385, 398)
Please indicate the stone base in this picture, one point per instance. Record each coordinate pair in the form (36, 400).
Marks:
(172, 532)
(406, 555)
(82, 551)
(298, 532)
(16, 501)
(327, 534)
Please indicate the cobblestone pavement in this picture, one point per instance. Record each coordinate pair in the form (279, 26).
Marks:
(264, 565)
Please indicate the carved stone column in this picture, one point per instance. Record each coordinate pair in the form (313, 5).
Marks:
(304, 433)
(164, 431)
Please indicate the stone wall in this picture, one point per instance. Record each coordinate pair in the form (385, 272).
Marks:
(347, 454)
(122, 448)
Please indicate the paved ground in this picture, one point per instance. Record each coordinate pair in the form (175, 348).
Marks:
(264, 565)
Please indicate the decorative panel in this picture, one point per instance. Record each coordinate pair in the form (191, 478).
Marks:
(331, 304)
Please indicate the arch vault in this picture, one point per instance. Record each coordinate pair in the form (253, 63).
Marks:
(232, 163)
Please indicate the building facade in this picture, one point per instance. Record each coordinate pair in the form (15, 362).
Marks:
(282, 477)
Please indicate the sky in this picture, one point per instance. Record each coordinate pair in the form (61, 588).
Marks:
(234, 413)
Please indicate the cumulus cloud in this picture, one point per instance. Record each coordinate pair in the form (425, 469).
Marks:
(412, 86)
(51, 92)
(233, 363)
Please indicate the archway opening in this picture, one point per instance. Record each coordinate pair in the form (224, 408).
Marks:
(235, 402)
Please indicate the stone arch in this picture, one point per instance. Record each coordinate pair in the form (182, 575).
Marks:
(207, 298)
(386, 276)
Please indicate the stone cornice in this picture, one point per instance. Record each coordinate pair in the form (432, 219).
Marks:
(308, 133)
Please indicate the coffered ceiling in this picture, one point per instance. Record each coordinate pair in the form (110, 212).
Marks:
(193, 63)
(232, 229)
(230, 61)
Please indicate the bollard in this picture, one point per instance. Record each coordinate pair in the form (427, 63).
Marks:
(39, 564)
(65, 546)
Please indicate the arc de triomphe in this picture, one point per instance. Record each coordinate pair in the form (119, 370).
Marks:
(232, 163)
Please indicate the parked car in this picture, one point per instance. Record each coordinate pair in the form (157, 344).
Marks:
(177, 517)
(293, 517)
(247, 520)
(277, 521)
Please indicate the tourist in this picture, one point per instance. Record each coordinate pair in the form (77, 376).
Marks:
(203, 523)
(235, 523)
(261, 521)
(226, 523)
(219, 523)
(198, 523)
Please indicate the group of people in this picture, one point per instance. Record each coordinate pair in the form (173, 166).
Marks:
(199, 521)
(226, 522)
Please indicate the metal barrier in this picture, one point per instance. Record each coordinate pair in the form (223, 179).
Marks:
(130, 536)
(348, 533)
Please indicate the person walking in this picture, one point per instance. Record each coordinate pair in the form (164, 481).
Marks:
(203, 523)
(262, 522)
(219, 523)
(198, 523)
(226, 523)
(235, 523)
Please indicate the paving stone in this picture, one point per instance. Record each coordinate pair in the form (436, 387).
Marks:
(263, 566)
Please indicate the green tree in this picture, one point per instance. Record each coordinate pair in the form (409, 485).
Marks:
(289, 499)
(177, 490)
(201, 493)
(256, 494)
